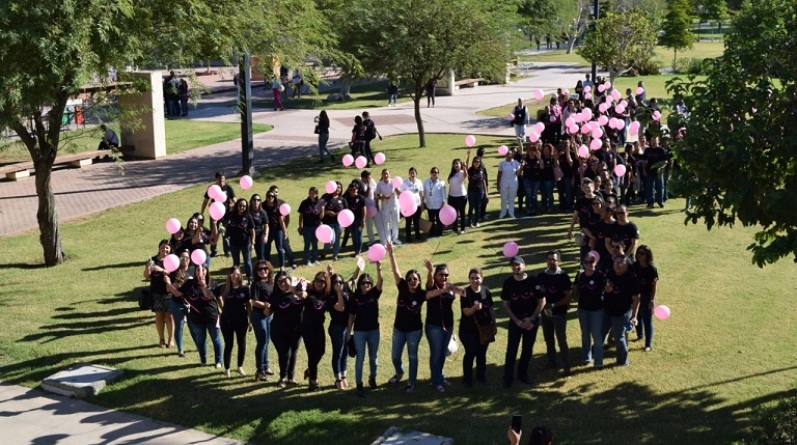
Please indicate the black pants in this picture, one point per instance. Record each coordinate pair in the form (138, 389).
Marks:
(368, 153)
(512, 344)
(459, 203)
(237, 328)
(473, 351)
(555, 327)
(286, 341)
(434, 218)
(315, 344)
(106, 146)
(415, 220)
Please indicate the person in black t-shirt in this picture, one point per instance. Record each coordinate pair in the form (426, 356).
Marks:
(590, 284)
(407, 327)
(477, 187)
(286, 302)
(523, 302)
(221, 181)
(582, 215)
(655, 158)
(155, 272)
(648, 277)
(259, 293)
(276, 229)
(624, 231)
(260, 221)
(363, 311)
(556, 287)
(621, 303)
(339, 324)
(477, 310)
(440, 294)
(333, 203)
(234, 318)
(241, 236)
(315, 308)
(356, 203)
(309, 220)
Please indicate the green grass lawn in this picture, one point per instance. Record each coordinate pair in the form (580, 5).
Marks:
(369, 95)
(181, 135)
(725, 352)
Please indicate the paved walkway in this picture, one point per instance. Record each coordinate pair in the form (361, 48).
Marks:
(83, 192)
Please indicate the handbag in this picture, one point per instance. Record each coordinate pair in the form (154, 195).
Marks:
(351, 347)
(317, 130)
(487, 332)
(145, 300)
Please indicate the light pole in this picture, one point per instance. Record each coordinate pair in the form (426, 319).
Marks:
(596, 16)
(245, 104)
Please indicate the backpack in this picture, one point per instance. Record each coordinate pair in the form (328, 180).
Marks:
(370, 130)
(520, 115)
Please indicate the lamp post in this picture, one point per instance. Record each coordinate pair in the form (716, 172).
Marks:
(245, 104)
(596, 16)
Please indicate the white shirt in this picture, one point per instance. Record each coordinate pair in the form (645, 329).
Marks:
(434, 193)
(416, 187)
(386, 189)
(508, 170)
(457, 182)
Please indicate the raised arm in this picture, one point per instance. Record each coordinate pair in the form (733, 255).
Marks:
(393, 264)
(379, 277)
(429, 273)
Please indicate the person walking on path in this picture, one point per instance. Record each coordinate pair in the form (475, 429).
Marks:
(322, 130)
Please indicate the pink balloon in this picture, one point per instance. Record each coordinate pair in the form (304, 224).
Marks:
(578, 117)
(640, 91)
(510, 116)
(552, 118)
(217, 210)
(533, 136)
(360, 162)
(448, 215)
(587, 96)
(173, 225)
(597, 133)
(285, 209)
(246, 182)
(616, 95)
(538, 94)
(371, 211)
(587, 89)
(607, 85)
(171, 262)
(376, 252)
(583, 151)
(348, 160)
(214, 191)
(603, 120)
(619, 170)
(612, 122)
(619, 109)
(330, 186)
(633, 130)
(573, 129)
(595, 254)
(540, 127)
(345, 218)
(324, 233)
(566, 92)
(661, 312)
(601, 88)
(570, 121)
(610, 98)
(503, 150)
(198, 257)
(406, 198)
(221, 197)
(620, 124)
(624, 103)
(397, 182)
(587, 112)
(379, 158)
(603, 107)
(586, 128)
(470, 140)
(656, 116)
(595, 144)
(511, 249)
(408, 209)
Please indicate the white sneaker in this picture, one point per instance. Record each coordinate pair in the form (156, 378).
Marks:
(309, 264)
(397, 242)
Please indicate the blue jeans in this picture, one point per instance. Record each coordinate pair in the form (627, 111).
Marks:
(236, 252)
(412, 340)
(475, 205)
(591, 323)
(531, 187)
(438, 339)
(178, 311)
(654, 183)
(260, 247)
(361, 338)
(340, 352)
(546, 187)
(199, 333)
(323, 138)
(515, 334)
(356, 232)
(643, 329)
(555, 327)
(617, 327)
(261, 325)
(276, 237)
(336, 241)
(474, 350)
(310, 244)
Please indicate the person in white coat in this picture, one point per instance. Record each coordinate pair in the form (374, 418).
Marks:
(434, 194)
(508, 171)
(387, 220)
(414, 185)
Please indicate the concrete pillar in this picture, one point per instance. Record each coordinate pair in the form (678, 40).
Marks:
(451, 88)
(142, 124)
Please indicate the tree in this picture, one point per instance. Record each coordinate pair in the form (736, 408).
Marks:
(538, 16)
(572, 20)
(420, 41)
(713, 10)
(738, 156)
(49, 50)
(619, 41)
(677, 28)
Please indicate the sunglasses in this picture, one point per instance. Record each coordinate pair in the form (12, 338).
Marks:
(261, 269)
(444, 275)
(366, 283)
(337, 282)
(412, 279)
(319, 281)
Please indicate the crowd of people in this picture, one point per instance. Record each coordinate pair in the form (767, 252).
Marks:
(613, 292)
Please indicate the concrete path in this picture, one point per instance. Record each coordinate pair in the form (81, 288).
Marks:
(83, 192)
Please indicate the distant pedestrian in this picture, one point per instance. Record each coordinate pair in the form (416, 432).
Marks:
(276, 89)
(183, 91)
(430, 88)
(322, 130)
(109, 140)
(520, 121)
(298, 85)
(392, 94)
(371, 133)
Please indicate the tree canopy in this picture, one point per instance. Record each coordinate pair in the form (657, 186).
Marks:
(677, 28)
(739, 156)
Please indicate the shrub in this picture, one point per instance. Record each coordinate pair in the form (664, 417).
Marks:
(690, 65)
(648, 67)
(777, 425)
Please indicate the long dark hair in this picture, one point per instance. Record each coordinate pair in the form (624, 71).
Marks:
(648, 252)
(454, 172)
(323, 119)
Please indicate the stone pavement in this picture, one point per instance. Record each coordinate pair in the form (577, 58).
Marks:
(82, 192)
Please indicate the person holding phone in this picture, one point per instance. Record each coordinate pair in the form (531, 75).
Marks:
(540, 435)
(440, 295)
(338, 330)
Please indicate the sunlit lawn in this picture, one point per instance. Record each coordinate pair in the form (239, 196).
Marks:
(366, 95)
(726, 351)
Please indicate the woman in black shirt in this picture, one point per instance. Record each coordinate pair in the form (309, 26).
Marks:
(648, 277)
(155, 272)
(322, 130)
(315, 307)
(286, 303)
(234, 318)
(260, 221)
(241, 233)
(440, 296)
(589, 285)
(477, 310)
(339, 324)
(309, 220)
(547, 163)
(259, 293)
(177, 306)
(276, 228)
(363, 311)
(407, 327)
(477, 187)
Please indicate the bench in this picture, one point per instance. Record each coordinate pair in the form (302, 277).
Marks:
(20, 170)
(468, 83)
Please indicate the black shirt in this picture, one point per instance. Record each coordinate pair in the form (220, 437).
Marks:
(259, 219)
(646, 276)
(590, 291)
(287, 310)
(365, 309)
(314, 310)
(625, 233)
(584, 209)
(554, 286)
(624, 287)
(333, 205)
(476, 179)
(356, 204)
(482, 317)
(238, 229)
(311, 214)
(156, 283)
(531, 169)
(408, 308)
(522, 295)
(336, 317)
(274, 216)
(200, 310)
(235, 305)
(546, 174)
(439, 311)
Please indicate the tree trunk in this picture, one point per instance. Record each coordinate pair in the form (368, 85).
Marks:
(47, 216)
(416, 98)
(674, 60)
(571, 42)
